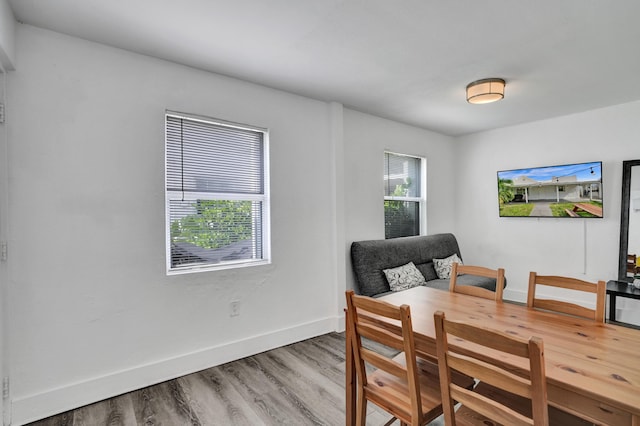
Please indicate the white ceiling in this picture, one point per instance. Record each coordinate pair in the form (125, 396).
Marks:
(407, 60)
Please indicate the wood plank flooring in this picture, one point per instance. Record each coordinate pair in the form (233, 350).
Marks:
(298, 384)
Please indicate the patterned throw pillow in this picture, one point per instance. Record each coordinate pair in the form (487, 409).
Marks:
(443, 266)
(404, 277)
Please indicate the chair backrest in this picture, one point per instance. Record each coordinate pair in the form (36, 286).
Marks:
(363, 319)
(530, 384)
(599, 289)
(473, 290)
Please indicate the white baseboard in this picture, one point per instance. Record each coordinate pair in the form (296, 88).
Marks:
(341, 325)
(54, 401)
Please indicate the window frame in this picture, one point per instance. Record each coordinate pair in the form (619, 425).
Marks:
(421, 200)
(264, 198)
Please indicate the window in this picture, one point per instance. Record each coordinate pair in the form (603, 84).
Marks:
(217, 201)
(404, 195)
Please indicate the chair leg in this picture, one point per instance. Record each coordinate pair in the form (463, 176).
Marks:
(390, 422)
(361, 409)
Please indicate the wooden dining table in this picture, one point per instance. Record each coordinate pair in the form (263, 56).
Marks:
(593, 369)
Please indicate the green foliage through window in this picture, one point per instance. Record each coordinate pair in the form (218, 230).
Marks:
(401, 219)
(215, 224)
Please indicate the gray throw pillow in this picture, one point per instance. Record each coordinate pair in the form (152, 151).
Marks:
(404, 277)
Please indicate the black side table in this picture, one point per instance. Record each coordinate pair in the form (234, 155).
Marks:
(622, 289)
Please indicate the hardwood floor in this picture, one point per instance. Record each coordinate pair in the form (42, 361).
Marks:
(299, 384)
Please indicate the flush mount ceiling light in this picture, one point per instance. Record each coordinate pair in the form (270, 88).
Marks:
(485, 91)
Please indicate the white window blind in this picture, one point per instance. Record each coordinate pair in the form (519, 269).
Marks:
(403, 195)
(216, 190)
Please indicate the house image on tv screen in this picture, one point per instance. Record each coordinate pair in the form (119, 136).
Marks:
(571, 190)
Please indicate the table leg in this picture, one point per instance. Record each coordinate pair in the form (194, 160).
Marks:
(350, 385)
(612, 307)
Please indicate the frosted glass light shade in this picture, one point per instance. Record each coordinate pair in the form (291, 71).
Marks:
(485, 91)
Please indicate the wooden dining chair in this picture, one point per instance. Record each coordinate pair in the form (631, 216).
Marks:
(501, 396)
(477, 408)
(406, 387)
(473, 290)
(599, 289)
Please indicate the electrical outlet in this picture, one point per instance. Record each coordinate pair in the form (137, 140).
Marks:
(234, 308)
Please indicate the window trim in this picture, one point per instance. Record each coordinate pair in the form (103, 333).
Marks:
(421, 200)
(264, 198)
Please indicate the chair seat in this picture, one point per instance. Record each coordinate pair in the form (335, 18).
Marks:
(387, 389)
(467, 417)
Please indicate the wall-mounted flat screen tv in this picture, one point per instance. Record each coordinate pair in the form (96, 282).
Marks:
(569, 190)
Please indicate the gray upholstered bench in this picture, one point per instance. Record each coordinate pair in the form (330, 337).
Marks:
(370, 258)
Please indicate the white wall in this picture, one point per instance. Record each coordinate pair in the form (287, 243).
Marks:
(4, 201)
(365, 139)
(7, 53)
(93, 313)
(586, 249)
(7, 36)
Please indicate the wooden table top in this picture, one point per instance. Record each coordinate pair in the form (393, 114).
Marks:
(585, 358)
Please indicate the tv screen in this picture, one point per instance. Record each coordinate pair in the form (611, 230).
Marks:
(570, 190)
